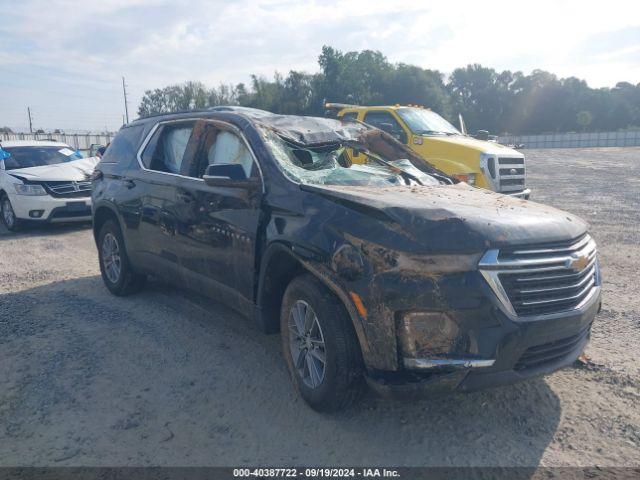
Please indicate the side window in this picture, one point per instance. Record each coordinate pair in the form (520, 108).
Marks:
(387, 122)
(124, 146)
(222, 147)
(378, 118)
(166, 149)
(350, 116)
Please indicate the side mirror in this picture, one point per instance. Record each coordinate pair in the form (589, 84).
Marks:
(482, 135)
(228, 175)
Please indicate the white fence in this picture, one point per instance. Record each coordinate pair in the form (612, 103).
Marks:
(79, 141)
(574, 140)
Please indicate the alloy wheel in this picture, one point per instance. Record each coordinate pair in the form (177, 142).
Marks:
(111, 260)
(8, 214)
(306, 344)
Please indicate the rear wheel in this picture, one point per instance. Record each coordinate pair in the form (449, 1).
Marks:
(9, 219)
(320, 346)
(117, 272)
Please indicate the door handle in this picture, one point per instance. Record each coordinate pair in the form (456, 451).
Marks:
(129, 183)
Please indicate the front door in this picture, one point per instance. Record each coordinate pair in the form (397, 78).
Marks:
(216, 227)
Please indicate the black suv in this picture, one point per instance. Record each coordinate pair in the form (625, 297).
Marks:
(374, 266)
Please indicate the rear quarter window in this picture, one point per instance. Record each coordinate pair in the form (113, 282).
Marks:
(124, 146)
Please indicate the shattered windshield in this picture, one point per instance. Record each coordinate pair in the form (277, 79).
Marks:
(358, 155)
(426, 122)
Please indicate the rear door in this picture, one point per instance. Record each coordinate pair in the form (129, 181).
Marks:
(216, 227)
(153, 197)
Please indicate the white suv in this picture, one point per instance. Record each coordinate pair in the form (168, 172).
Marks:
(44, 182)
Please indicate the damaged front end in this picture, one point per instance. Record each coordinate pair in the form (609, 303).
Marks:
(426, 316)
(402, 246)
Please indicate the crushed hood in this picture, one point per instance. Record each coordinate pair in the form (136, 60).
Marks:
(449, 218)
(76, 170)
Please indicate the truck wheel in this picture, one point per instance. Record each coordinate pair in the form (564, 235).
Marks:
(9, 219)
(320, 346)
(116, 270)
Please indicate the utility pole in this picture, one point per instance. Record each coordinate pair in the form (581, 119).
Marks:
(126, 107)
(30, 122)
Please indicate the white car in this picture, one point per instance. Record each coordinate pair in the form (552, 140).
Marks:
(44, 182)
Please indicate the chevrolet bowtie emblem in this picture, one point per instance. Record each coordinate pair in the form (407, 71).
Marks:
(577, 263)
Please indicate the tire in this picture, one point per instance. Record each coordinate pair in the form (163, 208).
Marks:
(9, 219)
(339, 382)
(117, 272)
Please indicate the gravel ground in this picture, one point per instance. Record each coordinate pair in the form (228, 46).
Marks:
(169, 378)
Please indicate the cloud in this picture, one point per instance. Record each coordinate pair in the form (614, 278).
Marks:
(62, 53)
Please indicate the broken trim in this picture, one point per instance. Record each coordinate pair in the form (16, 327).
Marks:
(427, 363)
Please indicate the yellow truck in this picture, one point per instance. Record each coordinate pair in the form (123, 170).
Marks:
(481, 163)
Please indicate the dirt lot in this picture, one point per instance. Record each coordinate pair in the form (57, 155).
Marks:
(169, 378)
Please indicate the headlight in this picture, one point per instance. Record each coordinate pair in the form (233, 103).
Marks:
(22, 189)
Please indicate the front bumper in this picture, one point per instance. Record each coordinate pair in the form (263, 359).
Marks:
(523, 349)
(54, 210)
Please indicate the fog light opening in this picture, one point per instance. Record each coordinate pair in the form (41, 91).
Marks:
(429, 335)
(36, 213)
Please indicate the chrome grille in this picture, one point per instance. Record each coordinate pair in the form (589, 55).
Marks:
(511, 174)
(543, 279)
(68, 189)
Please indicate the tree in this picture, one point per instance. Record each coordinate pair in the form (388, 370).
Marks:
(496, 101)
(584, 118)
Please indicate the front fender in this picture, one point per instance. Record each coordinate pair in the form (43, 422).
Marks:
(295, 260)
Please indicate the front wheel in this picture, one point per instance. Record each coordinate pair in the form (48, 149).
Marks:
(9, 219)
(117, 272)
(320, 346)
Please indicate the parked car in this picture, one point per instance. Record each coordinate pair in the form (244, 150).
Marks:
(387, 271)
(477, 161)
(43, 181)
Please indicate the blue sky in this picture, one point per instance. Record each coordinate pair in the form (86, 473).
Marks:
(65, 59)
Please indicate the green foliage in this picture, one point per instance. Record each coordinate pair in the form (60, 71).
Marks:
(501, 102)
(584, 118)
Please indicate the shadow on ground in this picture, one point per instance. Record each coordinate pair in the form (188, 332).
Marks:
(169, 378)
(42, 230)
